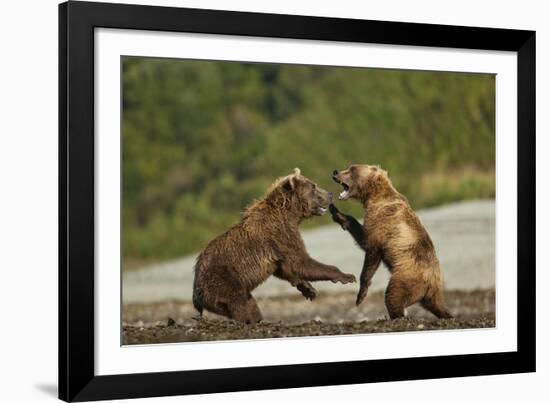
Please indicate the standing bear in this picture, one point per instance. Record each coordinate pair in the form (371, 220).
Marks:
(265, 242)
(391, 233)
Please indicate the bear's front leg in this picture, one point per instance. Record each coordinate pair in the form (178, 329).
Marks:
(312, 270)
(370, 265)
(307, 290)
(350, 224)
(305, 287)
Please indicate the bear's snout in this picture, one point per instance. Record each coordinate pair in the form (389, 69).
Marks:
(335, 172)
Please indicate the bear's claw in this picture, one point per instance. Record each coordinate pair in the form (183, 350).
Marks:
(338, 217)
(345, 279)
(361, 296)
(307, 291)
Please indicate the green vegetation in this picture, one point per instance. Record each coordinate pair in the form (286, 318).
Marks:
(201, 140)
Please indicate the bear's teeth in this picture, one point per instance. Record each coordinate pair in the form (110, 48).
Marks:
(343, 195)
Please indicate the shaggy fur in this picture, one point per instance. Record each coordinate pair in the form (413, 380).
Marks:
(392, 233)
(265, 242)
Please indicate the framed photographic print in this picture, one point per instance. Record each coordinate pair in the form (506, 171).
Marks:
(258, 201)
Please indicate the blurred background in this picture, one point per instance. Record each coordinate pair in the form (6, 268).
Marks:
(203, 139)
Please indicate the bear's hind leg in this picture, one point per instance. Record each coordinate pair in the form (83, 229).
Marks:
(401, 293)
(254, 311)
(243, 308)
(436, 306)
(396, 297)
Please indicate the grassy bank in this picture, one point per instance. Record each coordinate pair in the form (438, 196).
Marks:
(201, 140)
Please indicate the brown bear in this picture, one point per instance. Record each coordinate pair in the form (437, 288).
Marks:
(391, 233)
(265, 242)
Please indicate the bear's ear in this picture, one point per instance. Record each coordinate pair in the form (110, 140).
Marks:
(291, 181)
(289, 184)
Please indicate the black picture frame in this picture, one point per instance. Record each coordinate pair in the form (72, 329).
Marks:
(77, 21)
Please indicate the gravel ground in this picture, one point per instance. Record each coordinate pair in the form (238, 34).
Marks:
(291, 316)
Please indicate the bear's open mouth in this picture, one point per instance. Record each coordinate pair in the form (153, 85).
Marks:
(345, 193)
(322, 210)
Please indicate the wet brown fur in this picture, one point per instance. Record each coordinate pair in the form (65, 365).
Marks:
(393, 234)
(265, 242)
